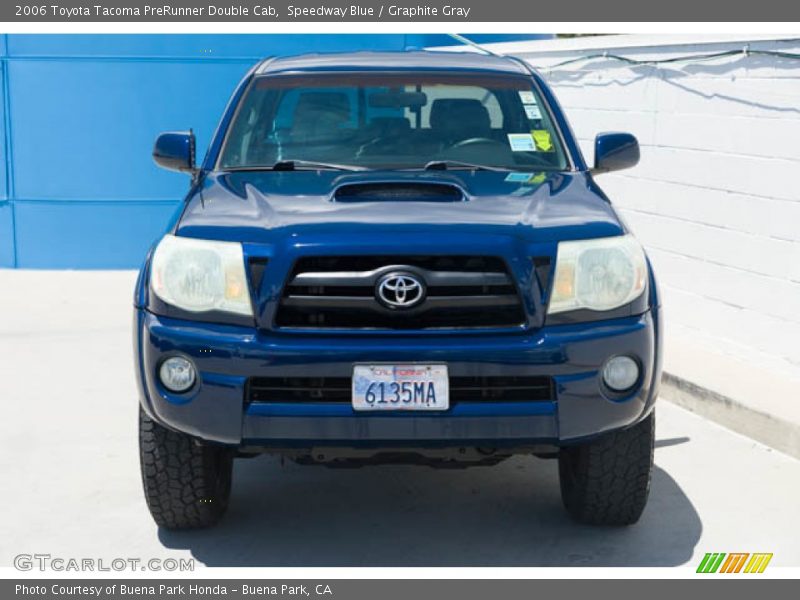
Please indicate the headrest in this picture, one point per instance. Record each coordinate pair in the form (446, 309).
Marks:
(447, 112)
(333, 106)
(465, 117)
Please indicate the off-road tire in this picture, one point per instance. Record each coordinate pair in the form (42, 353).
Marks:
(607, 481)
(186, 483)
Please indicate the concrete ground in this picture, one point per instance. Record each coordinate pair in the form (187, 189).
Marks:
(744, 389)
(71, 482)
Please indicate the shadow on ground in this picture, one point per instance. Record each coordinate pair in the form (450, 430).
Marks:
(507, 515)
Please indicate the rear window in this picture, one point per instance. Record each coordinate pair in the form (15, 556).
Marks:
(388, 121)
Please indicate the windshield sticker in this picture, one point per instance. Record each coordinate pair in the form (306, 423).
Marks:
(537, 178)
(543, 141)
(521, 142)
(527, 97)
(517, 177)
(533, 112)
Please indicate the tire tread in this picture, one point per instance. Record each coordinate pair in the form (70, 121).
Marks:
(186, 484)
(607, 481)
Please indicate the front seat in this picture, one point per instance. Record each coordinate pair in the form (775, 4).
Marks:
(457, 119)
(319, 117)
(387, 135)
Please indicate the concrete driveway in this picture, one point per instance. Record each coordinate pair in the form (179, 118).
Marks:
(71, 486)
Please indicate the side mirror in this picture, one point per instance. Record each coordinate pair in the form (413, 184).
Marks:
(615, 151)
(174, 150)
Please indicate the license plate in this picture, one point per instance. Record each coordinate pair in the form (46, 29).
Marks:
(400, 387)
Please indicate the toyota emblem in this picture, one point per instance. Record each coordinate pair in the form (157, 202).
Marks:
(400, 290)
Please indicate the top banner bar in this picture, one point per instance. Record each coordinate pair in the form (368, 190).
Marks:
(400, 11)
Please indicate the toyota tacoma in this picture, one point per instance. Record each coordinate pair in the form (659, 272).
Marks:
(396, 258)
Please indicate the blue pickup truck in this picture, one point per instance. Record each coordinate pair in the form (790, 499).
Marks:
(396, 258)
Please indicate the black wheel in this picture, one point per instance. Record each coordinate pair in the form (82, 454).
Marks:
(607, 481)
(186, 484)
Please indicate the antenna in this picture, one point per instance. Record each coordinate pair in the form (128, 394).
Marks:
(468, 42)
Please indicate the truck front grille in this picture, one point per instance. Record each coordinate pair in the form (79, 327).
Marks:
(462, 292)
(462, 389)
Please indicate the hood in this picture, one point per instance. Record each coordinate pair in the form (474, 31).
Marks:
(266, 206)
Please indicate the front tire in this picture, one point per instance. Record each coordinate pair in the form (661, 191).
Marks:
(607, 481)
(186, 483)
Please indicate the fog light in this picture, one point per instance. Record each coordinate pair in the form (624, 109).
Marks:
(177, 374)
(621, 373)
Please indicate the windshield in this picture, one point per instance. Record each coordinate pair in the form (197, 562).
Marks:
(393, 121)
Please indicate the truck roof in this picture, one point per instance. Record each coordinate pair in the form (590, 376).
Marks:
(391, 61)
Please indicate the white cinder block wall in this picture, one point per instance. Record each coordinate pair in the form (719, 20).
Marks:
(716, 196)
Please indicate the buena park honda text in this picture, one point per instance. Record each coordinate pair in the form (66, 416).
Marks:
(396, 258)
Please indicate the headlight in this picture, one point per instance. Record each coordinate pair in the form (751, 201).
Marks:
(200, 275)
(599, 274)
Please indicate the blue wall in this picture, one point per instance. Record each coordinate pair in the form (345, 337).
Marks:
(78, 119)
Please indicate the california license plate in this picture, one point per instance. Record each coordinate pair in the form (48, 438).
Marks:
(400, 387)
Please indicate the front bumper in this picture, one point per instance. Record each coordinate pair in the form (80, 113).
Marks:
(226, 356)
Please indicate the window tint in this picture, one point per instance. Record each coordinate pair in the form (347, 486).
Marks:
(393, 121)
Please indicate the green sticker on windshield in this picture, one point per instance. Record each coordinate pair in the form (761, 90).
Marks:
(543, 141)
(537, 178)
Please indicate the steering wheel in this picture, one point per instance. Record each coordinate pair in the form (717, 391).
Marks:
(535, 158)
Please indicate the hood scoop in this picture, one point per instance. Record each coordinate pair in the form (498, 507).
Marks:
(398, 192)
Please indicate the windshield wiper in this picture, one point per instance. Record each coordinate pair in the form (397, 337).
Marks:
(292, 164)
(443, 165)
(296, 165)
